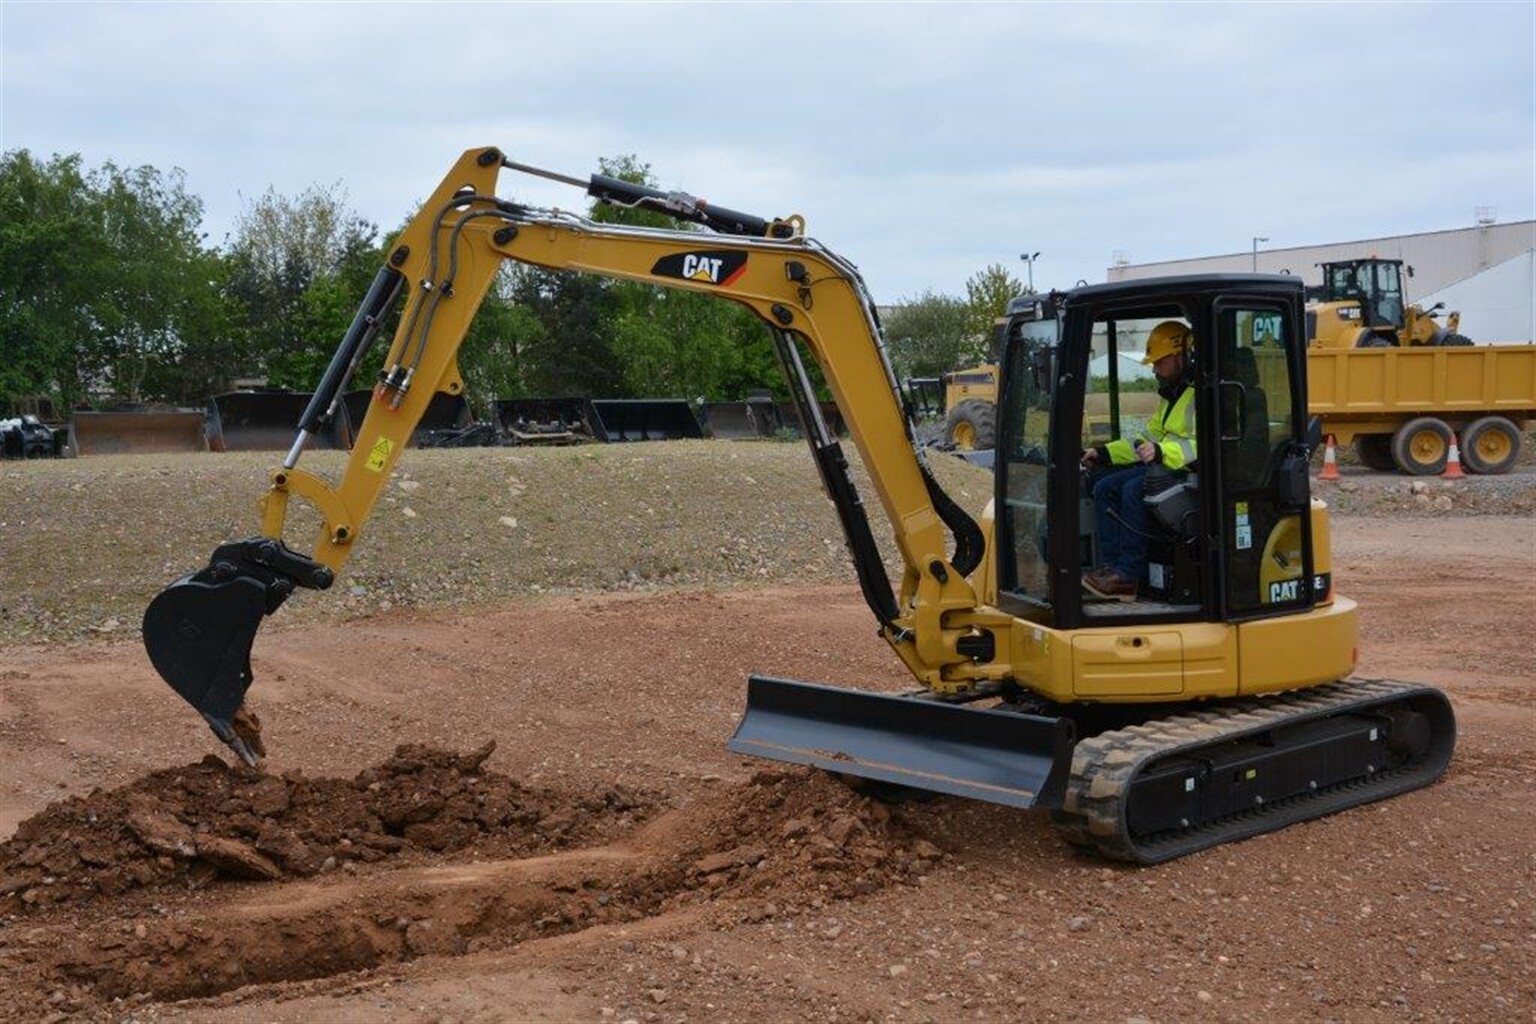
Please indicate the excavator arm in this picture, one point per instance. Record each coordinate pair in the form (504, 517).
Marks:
(200, 630)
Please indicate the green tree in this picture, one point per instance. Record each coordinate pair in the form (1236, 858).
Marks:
(988, 292)
(100, 274)
(493, 358)
(299, 267)
(48, 261)
(150, 223)
(674, 343)
(572, 352)
(931, 335)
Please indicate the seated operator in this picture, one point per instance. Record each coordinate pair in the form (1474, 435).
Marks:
(1168, 438)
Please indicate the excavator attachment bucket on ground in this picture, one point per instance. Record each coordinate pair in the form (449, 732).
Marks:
(757, 417)
(136, 432)
(263, 421)
(643, 419)
(918, 742)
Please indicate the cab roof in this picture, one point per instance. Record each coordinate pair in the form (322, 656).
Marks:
(1184, 284)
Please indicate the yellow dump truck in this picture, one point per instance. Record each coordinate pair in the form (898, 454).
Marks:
(1401, 407)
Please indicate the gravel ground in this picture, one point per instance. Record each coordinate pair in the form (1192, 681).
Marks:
(86, 543)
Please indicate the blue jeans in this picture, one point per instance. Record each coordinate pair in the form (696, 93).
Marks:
(1122, 544)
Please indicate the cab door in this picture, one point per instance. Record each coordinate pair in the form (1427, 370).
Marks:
(1262, 485)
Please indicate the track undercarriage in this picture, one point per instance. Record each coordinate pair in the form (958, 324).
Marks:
(1169, 786)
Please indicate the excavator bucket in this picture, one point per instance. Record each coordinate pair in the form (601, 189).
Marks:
(998, 756)
(198, 631)
(137, 431)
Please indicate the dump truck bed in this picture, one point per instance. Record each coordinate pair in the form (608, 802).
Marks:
(1372, 390)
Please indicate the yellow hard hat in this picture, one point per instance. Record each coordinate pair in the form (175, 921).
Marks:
(1168, 338)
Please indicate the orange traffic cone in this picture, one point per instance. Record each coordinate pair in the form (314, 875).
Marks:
(1330, 462)
(1452, 469)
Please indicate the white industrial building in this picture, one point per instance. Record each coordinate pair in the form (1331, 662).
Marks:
(1487, 271)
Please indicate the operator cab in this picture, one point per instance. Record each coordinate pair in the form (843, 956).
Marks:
(1376, 284)
(1229, 537)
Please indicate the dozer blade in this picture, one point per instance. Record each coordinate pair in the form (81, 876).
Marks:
(199, 630)
(998, 756)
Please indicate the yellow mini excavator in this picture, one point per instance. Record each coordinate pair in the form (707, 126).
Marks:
(1208, 707)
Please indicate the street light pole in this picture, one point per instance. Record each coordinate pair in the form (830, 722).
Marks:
(1029, 259)
(1256, 241)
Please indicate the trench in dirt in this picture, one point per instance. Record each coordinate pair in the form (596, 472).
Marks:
(126, 891)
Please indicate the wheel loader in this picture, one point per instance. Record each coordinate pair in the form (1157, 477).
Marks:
(1212, 706)
(1360, 305)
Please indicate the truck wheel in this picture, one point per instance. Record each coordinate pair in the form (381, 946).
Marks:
(971, 424)
(1490, 445)
(1455, 339)
(1421, 446)
(1375, 451)
(1375, 341)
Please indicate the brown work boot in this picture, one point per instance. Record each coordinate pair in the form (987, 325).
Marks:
(1109, 584)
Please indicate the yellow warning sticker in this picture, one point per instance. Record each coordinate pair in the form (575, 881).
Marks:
(379, 454)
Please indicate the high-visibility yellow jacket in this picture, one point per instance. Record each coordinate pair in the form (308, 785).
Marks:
(1171, 429)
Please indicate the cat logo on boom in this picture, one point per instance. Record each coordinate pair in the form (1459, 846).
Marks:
(719, 267)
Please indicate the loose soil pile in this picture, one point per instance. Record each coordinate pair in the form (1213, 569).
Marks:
(787, 836)
(191, 825)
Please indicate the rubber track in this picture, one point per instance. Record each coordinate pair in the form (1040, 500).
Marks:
(1093, 815)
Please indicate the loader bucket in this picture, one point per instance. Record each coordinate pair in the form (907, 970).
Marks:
(643, 419)
(131, 432)
(262, 421)
(738, 420)
(997, 756)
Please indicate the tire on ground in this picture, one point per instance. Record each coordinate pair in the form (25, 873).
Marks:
(1490, 445)
(1375, 451)
(1421, 446)
(971, 424)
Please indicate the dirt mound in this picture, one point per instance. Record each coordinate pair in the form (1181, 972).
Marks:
(194, 824)
(797, 836)
(749, 851)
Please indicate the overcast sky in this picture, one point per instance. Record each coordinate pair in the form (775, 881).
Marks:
(920, 141)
